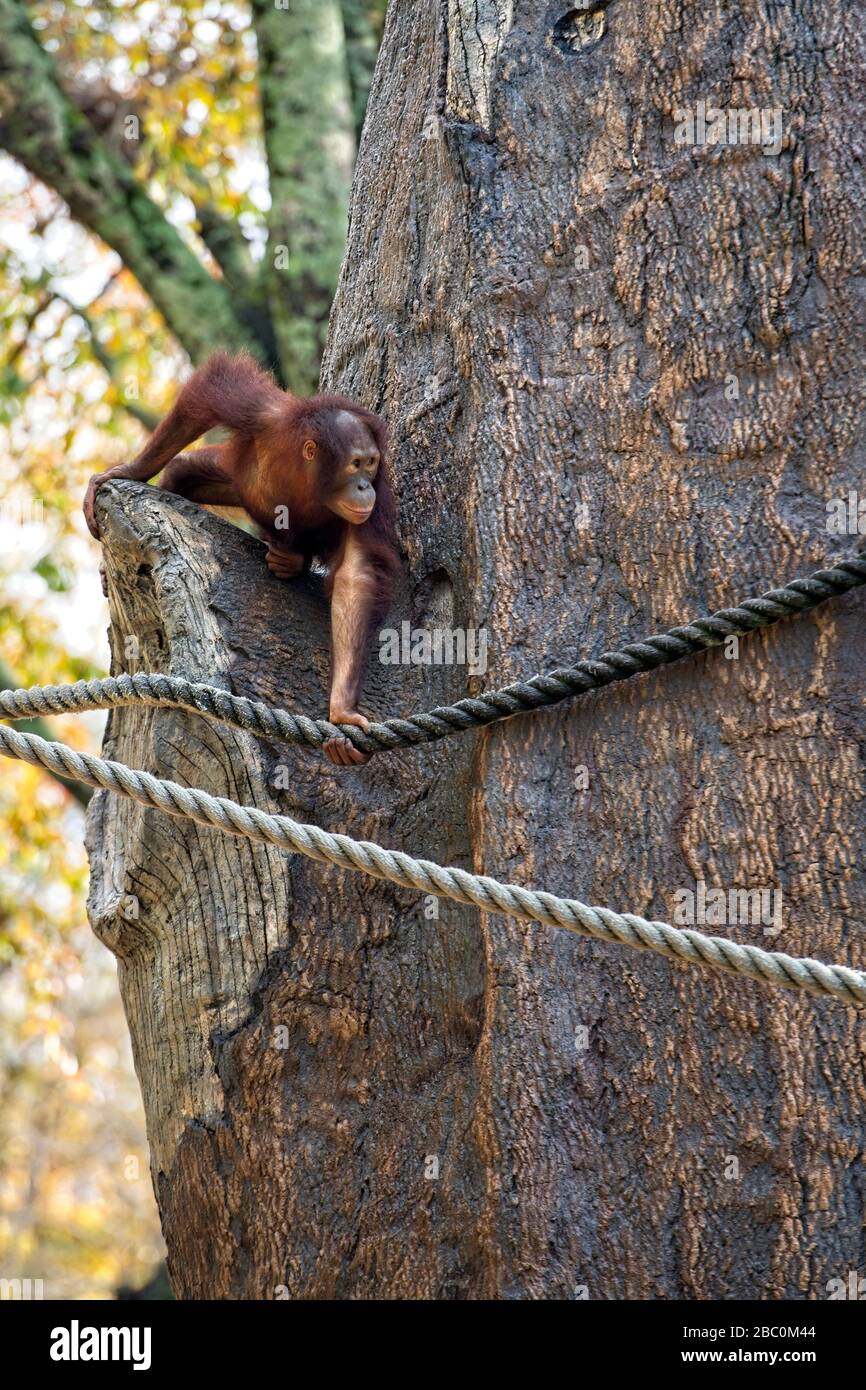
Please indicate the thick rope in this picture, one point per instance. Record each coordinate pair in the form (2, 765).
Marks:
(769, 967)
(268, 722)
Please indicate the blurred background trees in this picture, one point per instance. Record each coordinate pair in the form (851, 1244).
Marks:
(175, 177)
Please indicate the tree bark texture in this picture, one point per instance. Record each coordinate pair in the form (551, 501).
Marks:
(550, 298)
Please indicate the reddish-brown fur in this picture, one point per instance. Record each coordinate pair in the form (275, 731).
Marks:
(262, 468)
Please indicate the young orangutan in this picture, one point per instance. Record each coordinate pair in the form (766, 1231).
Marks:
(313, 474)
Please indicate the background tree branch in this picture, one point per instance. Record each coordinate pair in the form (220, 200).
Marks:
(310, 144)
(145, 416)
(42, 128)
(363, 34)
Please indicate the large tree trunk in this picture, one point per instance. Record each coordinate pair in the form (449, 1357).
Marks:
(554, 303)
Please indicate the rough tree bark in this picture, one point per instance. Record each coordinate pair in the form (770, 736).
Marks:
(552, 300)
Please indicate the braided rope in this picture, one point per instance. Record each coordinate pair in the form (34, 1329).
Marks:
(692, 947)
(542, 690)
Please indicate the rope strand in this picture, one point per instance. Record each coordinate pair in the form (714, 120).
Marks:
(770, 967)
(536, 693)
(692, 947)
